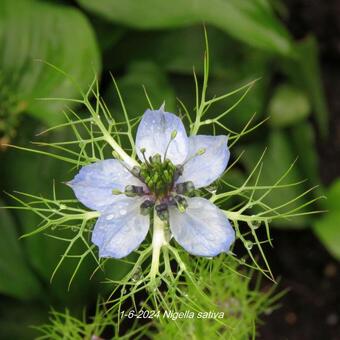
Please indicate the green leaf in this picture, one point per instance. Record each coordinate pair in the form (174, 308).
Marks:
(305, 73)
(141, 74)
(333, 196)
(246, 66)
(252, 22)
(278, 159)
(17, 319)
(34, 174)
(288, 105)
(59, 35)
(303, 139)
(327, 228)
(16, 278)
(187, 48)
(234, 177)
(108, 35)
(228, 71)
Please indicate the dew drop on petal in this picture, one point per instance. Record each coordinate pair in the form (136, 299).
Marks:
(109, 217)
(122, 211)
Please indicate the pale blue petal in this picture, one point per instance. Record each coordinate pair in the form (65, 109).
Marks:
(203, 229)
(94, 183)
(154, 134)
(204, 169)
(121, 228)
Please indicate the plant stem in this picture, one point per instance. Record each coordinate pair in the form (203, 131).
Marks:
(115, 146)
(158, 240)
(108, 138)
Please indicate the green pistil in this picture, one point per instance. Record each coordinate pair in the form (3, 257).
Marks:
(158, 175)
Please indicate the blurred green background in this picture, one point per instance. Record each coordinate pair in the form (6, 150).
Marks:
(152, 43)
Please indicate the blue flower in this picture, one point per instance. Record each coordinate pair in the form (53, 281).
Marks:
(172, 167)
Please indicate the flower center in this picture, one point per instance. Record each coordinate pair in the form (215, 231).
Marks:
(163, 191)
(159, 176)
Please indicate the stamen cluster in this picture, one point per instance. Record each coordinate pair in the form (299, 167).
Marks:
(158, 175)
(160, 178)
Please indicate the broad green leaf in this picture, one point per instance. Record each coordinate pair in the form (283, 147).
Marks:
(16, 278)
(17, 319)
(304, 71)
(242, 66)
(247, 69)
(288, 105)
(34, 174)
(278, 159)
(303, 139)
(228, 71)
(333, 196)
(59, 35)
(327, 228)
(141, 74)
(107, 34)
(252, 22)
(176, 50)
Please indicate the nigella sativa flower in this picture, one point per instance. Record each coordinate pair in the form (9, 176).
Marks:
(172, 167)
